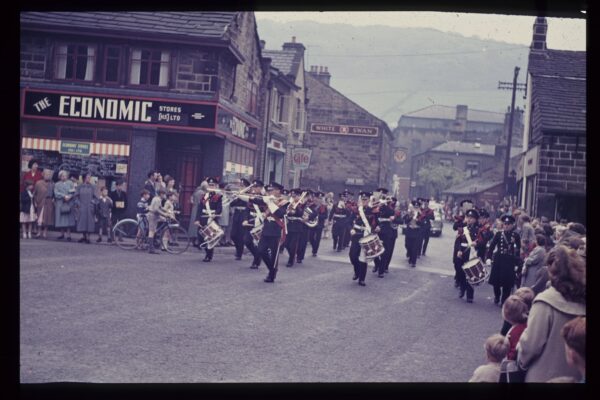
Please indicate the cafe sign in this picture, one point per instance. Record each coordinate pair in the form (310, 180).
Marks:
(117, 109)
(301, 158)
(371, 131)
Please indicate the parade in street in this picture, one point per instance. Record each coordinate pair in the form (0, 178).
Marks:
(195, 207)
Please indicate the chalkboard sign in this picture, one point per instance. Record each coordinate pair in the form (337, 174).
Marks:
(100, 165)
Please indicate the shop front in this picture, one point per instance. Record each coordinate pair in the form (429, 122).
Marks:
(119, 136)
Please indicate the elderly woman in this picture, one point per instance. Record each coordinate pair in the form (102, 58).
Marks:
(541, 349)
(64, 215)
(86, 206)
(195, 200)
(43, 193)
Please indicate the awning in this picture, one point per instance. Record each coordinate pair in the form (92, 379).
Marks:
(114, 149)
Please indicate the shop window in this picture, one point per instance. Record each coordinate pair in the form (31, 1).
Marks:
(472, 168)
(149, 67)
(112, 64)
(75, 62)
(112, 135)
(34, 129)
(77, 133)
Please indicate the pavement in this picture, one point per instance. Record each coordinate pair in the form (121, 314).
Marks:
(96, 313)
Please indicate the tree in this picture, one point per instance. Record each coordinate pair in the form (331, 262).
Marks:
(437, 178)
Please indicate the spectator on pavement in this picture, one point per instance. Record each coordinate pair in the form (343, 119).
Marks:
(43, 198)
(573, 332)
(526, 294)
(28, 215)
(119, 199)
(64, 217)
(86, 200)
(514, 311)
(541, 350)
(150, 184)
(534, 262)
(496, 347)
(103, 215)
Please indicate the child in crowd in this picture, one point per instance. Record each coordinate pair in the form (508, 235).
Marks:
(526, 294)
(28, 215)
(103, 215)
(515, 312)
(142, 211)
(573, 332)
(496, 347)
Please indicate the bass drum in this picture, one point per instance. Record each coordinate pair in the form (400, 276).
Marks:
(371, 246)
(475, 271)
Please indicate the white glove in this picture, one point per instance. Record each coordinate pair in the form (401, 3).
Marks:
(488, 262)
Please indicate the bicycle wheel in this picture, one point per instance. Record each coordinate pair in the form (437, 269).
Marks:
(175, 240)
(126, 234)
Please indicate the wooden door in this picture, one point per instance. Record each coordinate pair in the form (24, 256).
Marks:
(189, 171)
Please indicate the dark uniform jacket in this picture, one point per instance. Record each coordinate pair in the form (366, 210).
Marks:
(357, 222)
(413, 226)
(214, 202)
(121, 197)
(484, 236)
(321, 214)
(338, 214)
(463, 242)
(507, 256)
(294, 217)
(385, 215)
(426, 216)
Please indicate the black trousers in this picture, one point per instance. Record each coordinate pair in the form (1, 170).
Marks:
(267, 248)
(292, 242)
(360, 268)
(337, 234)
(347, 236)
(238, 233)
(392, 246)
(462, 279)
(386, 257)
(314, 237)
(502, 292)
(302, 244)
(412, 244)
(424, 241)
(249, 242)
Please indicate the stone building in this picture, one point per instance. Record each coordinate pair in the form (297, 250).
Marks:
(121, 93)
(421, 130)
(351, 148)
(553, 174)
(286, 124)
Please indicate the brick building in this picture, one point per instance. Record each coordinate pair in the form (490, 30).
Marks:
(121, 93)
(286, 124)
(421, 130)
(351, 148)
(553, 174)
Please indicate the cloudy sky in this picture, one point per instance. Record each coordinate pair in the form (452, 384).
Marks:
(563, 33)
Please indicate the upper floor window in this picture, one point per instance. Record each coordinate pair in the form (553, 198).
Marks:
(149, 67)
(472, 168)
(112, 64)
(75, 62)
(299, 116)
(253, 99)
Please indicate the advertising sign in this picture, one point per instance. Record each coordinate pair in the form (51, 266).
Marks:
(81, 148)
(371, 131)
(301, 158)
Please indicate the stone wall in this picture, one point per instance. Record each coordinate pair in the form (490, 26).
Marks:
(34, 57)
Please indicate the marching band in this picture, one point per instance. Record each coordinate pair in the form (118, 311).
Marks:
(269, 220)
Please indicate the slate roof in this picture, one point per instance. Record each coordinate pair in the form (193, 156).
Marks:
(191, 24)
(437, 111)
(470, 148)
(282, 60)
(559, 89)
(558, 63)
(472, 186)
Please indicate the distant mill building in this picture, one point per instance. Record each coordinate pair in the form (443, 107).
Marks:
(351, 148)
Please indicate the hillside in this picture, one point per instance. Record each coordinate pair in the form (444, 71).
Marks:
(426, 66)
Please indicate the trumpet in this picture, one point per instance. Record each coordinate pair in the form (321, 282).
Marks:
(293, 205)
(232, 194)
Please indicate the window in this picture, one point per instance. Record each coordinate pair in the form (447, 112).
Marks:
(274, 104)
(472, 168)
(39, 130)
(299, 115)
(253, 97)
(75, 62)
(112, 64)
(75, 132)
(112, 135)
(149, 67)
(416, 146)
(445, 162)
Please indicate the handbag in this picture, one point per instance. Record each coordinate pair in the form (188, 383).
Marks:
(65, 208)
(510, 372)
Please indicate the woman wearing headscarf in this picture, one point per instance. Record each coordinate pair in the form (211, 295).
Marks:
(43, 198)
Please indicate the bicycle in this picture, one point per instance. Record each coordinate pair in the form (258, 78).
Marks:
(132, 234)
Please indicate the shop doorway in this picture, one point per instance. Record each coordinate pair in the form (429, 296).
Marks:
(571, 207)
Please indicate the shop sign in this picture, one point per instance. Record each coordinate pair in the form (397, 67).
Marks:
(229, 123)
(118, 109)
(301, 158)
(80, 148)
(400, 155)
(121, 169)
(371, 131)
(355, 181)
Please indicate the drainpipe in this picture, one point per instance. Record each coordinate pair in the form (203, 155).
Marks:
(266, 133)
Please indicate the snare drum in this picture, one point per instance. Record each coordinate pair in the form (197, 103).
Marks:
(211, 233)
(256, 232)
(475, 271)
(372, 246)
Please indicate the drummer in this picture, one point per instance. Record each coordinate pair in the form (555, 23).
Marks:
(464, 252)
(361, 227)
(485, 234)
(253, 217)
(209, 209)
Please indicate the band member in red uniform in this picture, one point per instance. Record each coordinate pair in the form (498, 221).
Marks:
(361, 227)
(339, 215)
(238, 207)
(253, 218)
(384, 213)
(314, 234)
(294, 225)
(209, 209)
(308, 208)
(426, 216)
(412, 233)
(464, 252)
(395, 221)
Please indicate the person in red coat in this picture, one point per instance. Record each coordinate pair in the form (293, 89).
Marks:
(33, 175)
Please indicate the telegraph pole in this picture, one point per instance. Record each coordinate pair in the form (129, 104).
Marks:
(514, 86)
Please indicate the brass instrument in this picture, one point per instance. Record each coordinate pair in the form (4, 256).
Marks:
(292, 206)
(232, 194)
(306, 216)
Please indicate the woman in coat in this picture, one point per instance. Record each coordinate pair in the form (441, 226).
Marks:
(64, 215)
(43, 198)
(534, 262)
(541, 349)
(86, 201)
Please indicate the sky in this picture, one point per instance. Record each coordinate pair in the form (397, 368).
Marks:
(563, 33)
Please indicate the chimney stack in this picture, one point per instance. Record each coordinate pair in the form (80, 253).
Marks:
(320, 73)
(540, 28)
(460, 123)
(293, 39)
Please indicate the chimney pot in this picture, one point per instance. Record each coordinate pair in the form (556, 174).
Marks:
(326, 70)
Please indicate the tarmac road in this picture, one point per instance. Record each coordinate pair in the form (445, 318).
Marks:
(96, 313)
